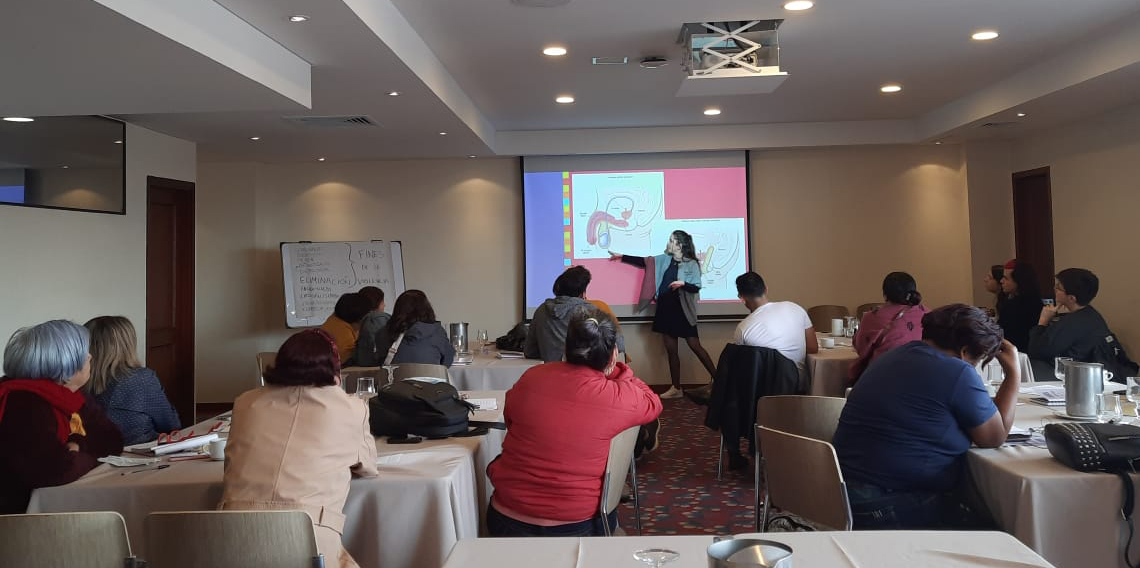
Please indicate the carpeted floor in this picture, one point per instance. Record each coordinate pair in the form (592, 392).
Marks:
(677, 483)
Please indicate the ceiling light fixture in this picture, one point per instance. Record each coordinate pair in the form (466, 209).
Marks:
(298, 18)
(443, 134)
(564, 99)
(18, 119)
(891, 88)
(118, 141)
(470, 155)
(255, 138)
(984, 35)
(1021, 115)
(554, 51)
(393, 93)
(939, 143)
(712, 111)
(65, 167)
(797, 5)
(320, 159)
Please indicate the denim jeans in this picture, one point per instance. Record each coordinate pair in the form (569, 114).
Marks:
(500, 525)
(877, 508)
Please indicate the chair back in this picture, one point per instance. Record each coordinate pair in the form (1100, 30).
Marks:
(803, 477)
(866, 308)
(250, 539)
(348, 376)
(409, 370)
(617, 469)
(265, 360)
(821, 316)
(814, 417)
(71, 540)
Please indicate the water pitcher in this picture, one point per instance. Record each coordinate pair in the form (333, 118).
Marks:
(1083, 381)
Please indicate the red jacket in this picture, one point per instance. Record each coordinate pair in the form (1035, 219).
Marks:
(560, 419)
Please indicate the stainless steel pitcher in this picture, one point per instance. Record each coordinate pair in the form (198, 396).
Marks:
(459, 336)
(1083, 381)
(749, 553)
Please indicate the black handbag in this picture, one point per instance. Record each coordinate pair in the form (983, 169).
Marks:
(1112, 448)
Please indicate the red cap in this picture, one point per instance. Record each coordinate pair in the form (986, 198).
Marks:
(1012, 263)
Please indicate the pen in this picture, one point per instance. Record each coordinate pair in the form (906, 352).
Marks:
(163, 466)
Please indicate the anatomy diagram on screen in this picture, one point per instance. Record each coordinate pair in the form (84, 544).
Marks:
(616, 212)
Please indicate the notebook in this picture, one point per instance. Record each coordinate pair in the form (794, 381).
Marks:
(1046, 395)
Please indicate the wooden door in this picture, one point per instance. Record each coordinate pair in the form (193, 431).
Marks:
(170, 290)
(1033, 224)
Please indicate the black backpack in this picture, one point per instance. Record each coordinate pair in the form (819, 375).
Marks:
(1111, 354)
(514, 340)
(419, 408)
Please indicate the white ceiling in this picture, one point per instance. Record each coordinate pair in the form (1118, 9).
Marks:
(473, 68)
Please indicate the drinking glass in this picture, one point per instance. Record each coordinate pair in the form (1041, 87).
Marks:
(1059, 367)
(1108, 407)
(484, 339)
(656, 557)
(1132, 391)
(366, 387)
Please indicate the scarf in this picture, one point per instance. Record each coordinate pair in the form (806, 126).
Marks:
(65, 403)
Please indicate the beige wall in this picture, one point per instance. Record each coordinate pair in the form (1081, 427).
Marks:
(100, 189)
(991, 211)
(819, 236)
(1095, 175)
(77, 265)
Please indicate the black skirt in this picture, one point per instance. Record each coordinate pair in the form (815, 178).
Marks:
(670, 317)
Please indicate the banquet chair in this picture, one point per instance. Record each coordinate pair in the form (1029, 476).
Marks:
(815, 417)
(803, 478)
(821, 316)
(409, 370)
(265, 360)
(619, 464)
(866, 308)
(250, 539)
(74, 540)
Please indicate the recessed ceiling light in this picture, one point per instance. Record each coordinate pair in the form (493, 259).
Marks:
(65, 167)
(564, 99)
(18, 119)
(393, 93)
(712, 111)
(320, 159)
(891, 88)
(1021, 115)
(554, 51)
(470, 155)
(298, 18)
(797, 5)
(984, 35)
(443, 134)
(255, 138)
(118, 141)
(938, 143)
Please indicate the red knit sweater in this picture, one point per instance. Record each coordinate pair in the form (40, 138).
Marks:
(560, 419)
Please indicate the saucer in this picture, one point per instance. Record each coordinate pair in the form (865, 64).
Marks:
(1066, 416)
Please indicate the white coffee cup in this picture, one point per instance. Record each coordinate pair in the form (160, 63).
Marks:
(826, 342)
(837, 327)
(218, 449)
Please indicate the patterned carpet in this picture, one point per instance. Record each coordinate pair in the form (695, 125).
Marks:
(677, 483)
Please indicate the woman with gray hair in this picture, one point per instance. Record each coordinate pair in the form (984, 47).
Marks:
(50, 433)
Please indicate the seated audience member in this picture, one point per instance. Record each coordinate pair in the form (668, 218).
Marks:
(1021, 308)
(129, 392)
(1072, 328)
(560, 419)
(370, 328)
(992, 281)
(50, 433)
(344, 324)
(546, 336)
(413, 335)
(295, 443)
(908, 422)
(783, 326)
(897, 322)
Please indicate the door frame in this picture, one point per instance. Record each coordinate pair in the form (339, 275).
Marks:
(1046, 279)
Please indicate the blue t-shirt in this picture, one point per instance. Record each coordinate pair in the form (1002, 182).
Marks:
(905, 424)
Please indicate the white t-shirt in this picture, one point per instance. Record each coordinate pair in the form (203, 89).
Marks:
(779, 326)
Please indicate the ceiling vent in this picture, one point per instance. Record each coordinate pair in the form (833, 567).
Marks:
(350, 121)
(609, 60)
(730, 58)
(997, 124)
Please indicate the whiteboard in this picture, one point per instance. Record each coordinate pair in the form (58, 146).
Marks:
(317, 274)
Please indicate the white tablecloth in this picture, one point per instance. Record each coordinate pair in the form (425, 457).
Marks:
(426, 498)
(1069, 517)
(489, 373)
(827, 370)
(822, 549)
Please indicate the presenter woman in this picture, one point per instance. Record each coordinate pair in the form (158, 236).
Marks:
(674, 280)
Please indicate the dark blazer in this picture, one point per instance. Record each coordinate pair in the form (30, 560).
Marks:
(743, 375)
